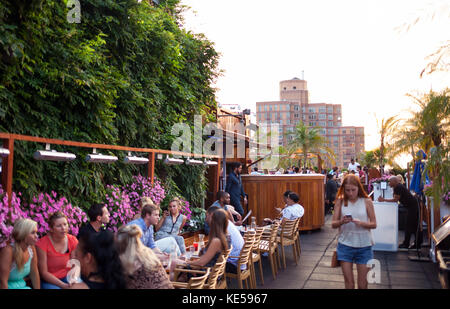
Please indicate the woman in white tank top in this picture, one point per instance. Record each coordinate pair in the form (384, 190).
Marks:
(354, 215)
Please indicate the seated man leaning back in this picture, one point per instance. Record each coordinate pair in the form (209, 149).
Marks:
(223, 201)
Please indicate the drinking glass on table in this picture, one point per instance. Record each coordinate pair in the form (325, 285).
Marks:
(191, 251)
(253, 223)
(201, 241)
(195, 245)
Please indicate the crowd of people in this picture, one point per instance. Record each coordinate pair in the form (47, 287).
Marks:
(97, 258)
(134, 256)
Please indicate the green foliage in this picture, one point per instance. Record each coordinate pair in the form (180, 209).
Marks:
(188, 182)
(124, 75)
(197, 221)
(428, 129)
(307, 140)
(368, 158)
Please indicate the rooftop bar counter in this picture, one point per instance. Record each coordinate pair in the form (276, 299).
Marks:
(265, 193)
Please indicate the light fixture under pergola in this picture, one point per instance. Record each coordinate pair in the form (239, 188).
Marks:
(95, 157)
(53, 155)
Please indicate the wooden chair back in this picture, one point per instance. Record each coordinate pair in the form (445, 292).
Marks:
(289, 229)
(258, 234)
(273, 234)
(218, 270)
(198, 282)
(246, 250)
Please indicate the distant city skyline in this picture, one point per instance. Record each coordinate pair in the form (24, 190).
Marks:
(359, 54)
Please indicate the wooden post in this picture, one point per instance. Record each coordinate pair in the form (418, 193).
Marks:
(151, 167)
(217, 180)
(7, 168)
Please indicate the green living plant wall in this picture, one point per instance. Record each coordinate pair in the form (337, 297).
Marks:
(123, 75)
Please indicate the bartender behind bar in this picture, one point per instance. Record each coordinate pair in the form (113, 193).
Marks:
(402, 195)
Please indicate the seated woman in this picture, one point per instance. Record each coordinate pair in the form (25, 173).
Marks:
(142, 268)
(171, 224)
(218, 240)
(18, 259)
(54, 251)
(100, 264)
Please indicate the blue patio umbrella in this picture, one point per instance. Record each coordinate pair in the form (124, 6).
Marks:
(416, 181)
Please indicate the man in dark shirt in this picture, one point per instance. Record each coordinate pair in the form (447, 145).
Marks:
(330, 193)
(402, 195)
(98, 216)
(235, 188)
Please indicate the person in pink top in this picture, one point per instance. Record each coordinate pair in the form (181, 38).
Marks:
(54, 251)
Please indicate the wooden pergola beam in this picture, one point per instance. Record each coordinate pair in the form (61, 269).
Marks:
(8, 162)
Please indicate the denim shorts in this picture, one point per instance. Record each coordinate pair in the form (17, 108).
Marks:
(354, 255)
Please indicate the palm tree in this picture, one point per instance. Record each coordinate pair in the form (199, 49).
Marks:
(387, 128)
(428, 129)
(308, 140)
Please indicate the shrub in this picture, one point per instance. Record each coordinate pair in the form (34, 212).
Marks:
(142, 186)
(197, 220)
(38, 210)
(119, 206)
(8, 215)
(45, 204)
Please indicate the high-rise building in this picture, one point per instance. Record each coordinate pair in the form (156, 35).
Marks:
(294, 106)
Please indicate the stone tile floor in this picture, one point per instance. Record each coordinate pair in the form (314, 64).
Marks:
(313, 270)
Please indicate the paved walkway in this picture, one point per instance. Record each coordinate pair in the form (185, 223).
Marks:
(313, 270)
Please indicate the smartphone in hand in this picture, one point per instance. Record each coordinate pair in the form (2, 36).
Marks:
(348, 217)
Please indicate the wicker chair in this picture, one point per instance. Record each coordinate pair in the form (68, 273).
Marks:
(288, 235)
(256, 255)
(216, 272)
(220, 281)
(194, 282)
(244, 258)
(268, 244)
(297, 237)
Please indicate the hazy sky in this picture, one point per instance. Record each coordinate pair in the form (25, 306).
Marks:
(353, 52)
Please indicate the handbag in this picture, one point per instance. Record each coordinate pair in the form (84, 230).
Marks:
(334, 260)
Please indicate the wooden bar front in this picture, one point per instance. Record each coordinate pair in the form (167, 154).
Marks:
(265, 193)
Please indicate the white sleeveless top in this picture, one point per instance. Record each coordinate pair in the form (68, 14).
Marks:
(350, 234)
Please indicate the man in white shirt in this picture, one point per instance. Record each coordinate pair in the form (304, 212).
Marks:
(291, 211)
(353, 166)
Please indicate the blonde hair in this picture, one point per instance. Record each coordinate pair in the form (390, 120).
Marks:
(132, 252)
(22, 228)
(146, 200)
(55, 216)
(176, 200)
